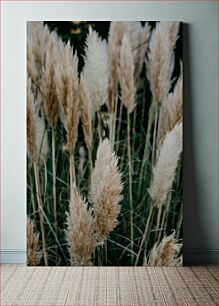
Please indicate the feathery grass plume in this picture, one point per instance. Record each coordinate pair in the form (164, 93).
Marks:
(50, 104)
(34, 254)
(33, 73)
(31, 61)
(40, 37)
(96, 70)
(116, 32)
(85, 114)
(42, 146)
(37, 141)
(134, 32)
(173, 28)
(80, 230)
(126, 75)
(38, 40)
(166, 164)
(106, 189)
(171, 109)
(63, 72)
(139, 37)
(66, 75)
(166, 253)
(31, 132)
(160, 62)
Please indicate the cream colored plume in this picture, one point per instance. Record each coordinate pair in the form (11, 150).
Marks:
(160, 62)
(34, 254)
(106, 189)
(116, 32)
(66, 77)
(96, 70)
(31, 132)
(38, 39)
(80, 230)
(37, 140)
(172, 108)
(166, 253)
(31, 62)
(166, 164)
(50, 101)
(126, 75)
(139, 38)
(173, 29)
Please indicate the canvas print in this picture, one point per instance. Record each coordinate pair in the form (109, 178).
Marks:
(104, 143)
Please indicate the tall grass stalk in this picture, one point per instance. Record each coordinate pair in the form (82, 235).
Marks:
(164, 217)
(158, 221)
(72, 170)
(119, 127)
(39, 199)
(54, 177)
(114, 121)
(146, 232)
(31, 188)
(155, 134)
(134, 129)
(179, 224)
(146, 148)
(130, 183)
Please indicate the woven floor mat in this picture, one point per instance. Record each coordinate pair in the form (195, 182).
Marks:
(123, 286)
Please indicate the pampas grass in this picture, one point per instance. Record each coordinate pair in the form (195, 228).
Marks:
(165, 168)
(105, 191)
(34, 254)
(42, 146)
(89, 227)
(171, 110)
(31, 133)
(50, 106)
(116, 33)
(126, 75)
(139, 37)
(127, 84)
(96, 70)
(32, 138)
(31, 62)
(104, 143)
(80, 231)
(66, 75)
(160, 65)
(166, 253)
(160, 61)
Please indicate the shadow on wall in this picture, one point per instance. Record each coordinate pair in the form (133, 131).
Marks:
(192, 224)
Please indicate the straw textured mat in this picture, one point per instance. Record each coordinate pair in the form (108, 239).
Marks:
(108, 286)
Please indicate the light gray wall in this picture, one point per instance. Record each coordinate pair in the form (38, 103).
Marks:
(200, 103)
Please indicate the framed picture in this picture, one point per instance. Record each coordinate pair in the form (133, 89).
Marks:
(104, 143)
